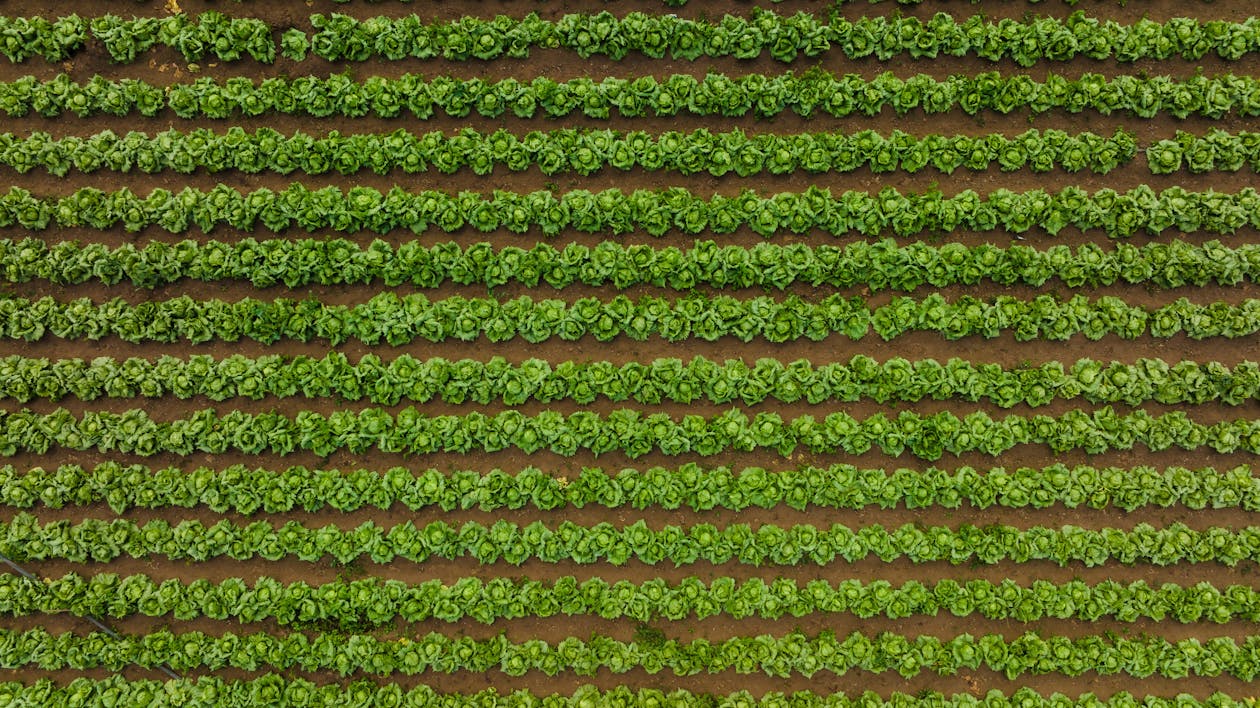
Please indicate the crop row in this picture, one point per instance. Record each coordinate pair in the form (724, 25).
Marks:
(413, 317)
(406, 378)
(363, 605)
(656, 212)
(876, 264)
(24, 539)
(631, 432)
(712, 95)
(588, 151)
(213, 33)
(273, 689)
(789, 655)
(1215, 150)
(338, 37)
(245, 490)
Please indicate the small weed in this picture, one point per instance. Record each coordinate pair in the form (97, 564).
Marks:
(645, 635)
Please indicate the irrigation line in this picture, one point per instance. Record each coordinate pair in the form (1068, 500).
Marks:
(164, 668)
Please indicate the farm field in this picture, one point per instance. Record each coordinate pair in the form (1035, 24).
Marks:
(635, 353)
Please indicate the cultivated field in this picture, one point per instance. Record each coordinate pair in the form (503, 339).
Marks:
(629, 353)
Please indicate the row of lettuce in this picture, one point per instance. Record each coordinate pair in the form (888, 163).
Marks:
(274, 689)
(497, 381)
(371, 603)
(876, 264)
(25, 539)
(248, 490)
(357, 605)
(388, 318)
(813, 92)
(587, 151)
(338, 37)
(629, 431)
(612, 212)
(792, 654)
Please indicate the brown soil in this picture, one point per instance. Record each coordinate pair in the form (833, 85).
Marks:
(164, 67)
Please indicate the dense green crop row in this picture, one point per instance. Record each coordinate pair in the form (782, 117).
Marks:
(363, 605)
(588, 151)
(413, 317)
(275, 690)
(406, 378)
(247, 490)
(789, 655)
(876, 265)
(272, 689)
(213, 33)
(1215, 150)
(711, 95)
(25, 539)
(340, 37)
(656, 212)
(628, 431)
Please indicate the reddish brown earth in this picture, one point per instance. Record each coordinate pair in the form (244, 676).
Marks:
(164, 66)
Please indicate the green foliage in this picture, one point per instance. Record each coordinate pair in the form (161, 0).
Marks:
(413, 317)
(625, 430)
(360, 605)
(245, 490)
(656, 212)
(338, 614)
(789, 655)
(273, 689)
(22, 38)
(406, 378)
(211, 34)
(558, 151)
(25, 539)
(807, 94)
(1215, 150)
(338, 37)
(876, 265)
